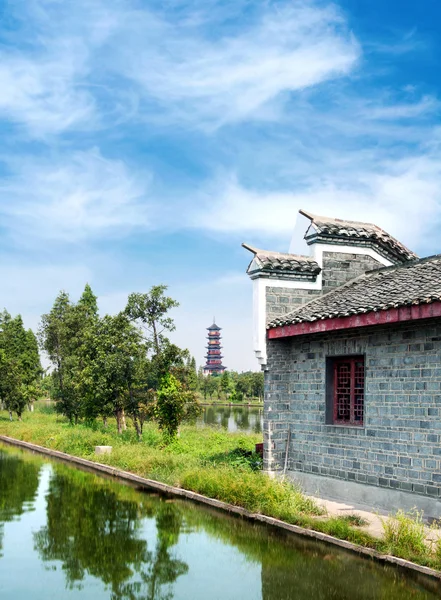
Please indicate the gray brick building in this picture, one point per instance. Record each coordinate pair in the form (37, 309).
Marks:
(350, 341)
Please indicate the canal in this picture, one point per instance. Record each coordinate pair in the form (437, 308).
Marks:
(66, 533)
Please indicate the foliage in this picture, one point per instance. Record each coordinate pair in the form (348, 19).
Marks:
(62, 334)
(150, 311)
(20, 368)
(173, 405)
(113, 365)
(233, 386)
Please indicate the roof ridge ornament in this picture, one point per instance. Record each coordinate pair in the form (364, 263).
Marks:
(340, 231)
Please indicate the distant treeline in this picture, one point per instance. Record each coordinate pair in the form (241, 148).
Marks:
(231, 385)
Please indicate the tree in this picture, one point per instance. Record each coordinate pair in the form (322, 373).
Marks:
(11, 385)
(225, 383)
(113, 368)
(63, 334)
(55, 338)
(173, 405)
(20, 368)
(150, 312)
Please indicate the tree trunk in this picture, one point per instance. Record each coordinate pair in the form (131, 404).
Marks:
(123, 420)
(105, 421)
(118, 421)
(137, 426)
(10, 415)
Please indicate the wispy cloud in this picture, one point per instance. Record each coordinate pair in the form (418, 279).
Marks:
(391, 195)
(285, 48)
(74, 197)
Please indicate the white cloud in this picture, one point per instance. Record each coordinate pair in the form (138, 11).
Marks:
(74, 197)
(39, 89)
(234, 76)
(392, 196)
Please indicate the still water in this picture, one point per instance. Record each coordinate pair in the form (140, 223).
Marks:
(233, 418)
(66, 533)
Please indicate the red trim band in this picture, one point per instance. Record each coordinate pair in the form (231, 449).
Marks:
(380, 317)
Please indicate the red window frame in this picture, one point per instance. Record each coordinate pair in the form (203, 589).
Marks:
(348, 391)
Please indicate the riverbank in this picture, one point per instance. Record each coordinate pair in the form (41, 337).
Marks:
(220, 466)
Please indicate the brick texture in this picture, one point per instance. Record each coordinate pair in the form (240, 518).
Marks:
(399, 446)
(338, 268)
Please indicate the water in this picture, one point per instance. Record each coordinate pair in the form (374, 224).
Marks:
(66, 533)
(233, 418)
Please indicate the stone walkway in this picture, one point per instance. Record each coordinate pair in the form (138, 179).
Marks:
(374, 519)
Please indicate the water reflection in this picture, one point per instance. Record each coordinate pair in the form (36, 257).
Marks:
(92, 530)
(233, 418)
(102, 540)
(18, 487)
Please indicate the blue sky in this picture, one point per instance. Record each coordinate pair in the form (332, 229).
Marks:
(143, 141)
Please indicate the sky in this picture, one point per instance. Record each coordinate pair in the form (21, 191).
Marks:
(142, 141)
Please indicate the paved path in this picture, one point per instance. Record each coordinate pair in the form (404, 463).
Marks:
(374, 519)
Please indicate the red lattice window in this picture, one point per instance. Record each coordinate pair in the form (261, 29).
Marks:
(349, 391)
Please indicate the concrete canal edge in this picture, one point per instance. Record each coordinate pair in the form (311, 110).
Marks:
(163, 488)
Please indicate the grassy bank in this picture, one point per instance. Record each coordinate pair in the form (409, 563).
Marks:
(212, 462)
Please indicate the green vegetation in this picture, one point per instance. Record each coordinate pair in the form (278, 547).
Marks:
(405, 535)
(220, 465)
(231, 386)
(215, 463)
(20, 368)
(118, 365)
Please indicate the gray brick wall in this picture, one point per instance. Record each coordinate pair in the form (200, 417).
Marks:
(399, 446)
(280, 301)
(339, 268)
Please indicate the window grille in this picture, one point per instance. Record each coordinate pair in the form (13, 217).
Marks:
(348, 390)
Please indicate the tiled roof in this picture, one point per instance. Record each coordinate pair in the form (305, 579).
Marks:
(337, 229)
(278, 261)
(417, 282)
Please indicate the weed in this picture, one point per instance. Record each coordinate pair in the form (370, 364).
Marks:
(354, 520)
(404, 534)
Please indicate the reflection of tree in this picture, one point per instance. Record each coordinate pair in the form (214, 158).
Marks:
(295, 568)
(163, 569)
(225, 414)
(93, 530)
(242, 418)
(209, 416)
(18, 486)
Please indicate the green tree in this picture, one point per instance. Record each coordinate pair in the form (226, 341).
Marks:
(63, 334)
(150, 311)
(226, 383)
(113, 369)
(20, 367)
(55, 339)
(173, 405)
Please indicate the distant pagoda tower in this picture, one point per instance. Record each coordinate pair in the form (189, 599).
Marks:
(214, 356)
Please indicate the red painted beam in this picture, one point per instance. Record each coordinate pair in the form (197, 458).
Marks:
(379, 317)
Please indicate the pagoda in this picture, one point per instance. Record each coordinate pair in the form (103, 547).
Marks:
(214, 356)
